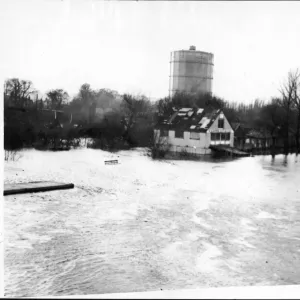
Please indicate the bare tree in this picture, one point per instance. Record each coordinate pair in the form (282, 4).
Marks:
(288, 95)
(133, 108)
(106, 98)
(164, 106)
(296, 102)
(271, 118)
(86, 94)
(18, 91)
(56, 98)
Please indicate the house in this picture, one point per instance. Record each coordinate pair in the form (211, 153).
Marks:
(258, 139)
(194, 130)
(248, 138)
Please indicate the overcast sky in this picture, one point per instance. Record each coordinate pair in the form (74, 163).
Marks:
(126, 45)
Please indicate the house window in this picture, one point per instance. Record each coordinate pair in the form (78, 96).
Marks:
(227, 138)
(213, 136)
(164, 132)
(221, 123)
(195, 135)
(179, 134)
(222, 136)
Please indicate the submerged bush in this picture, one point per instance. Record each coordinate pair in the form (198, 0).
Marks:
(159, 148)
(108, 144)
(185, 154)
(13, 155)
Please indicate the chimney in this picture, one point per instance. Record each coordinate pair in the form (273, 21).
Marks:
(192, 48)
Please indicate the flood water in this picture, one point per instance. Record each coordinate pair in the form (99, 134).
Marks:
(150, 225)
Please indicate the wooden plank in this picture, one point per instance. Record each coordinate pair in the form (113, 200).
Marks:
(222, 148)
(34, 187)
(110, 162)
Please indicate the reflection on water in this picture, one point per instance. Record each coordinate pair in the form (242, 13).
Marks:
(146, 225)
(285, 160)
(289, 162)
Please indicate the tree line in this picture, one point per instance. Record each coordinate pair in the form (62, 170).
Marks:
(120, 121)
(110, 120)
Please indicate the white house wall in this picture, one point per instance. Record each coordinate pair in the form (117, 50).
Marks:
(227, 128)
(185, 143)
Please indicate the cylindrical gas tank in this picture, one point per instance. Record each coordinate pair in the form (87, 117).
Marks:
(191, 71)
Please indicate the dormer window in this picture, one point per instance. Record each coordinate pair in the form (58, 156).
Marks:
(221, 121)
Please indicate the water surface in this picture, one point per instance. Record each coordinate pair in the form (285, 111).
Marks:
(150, 225)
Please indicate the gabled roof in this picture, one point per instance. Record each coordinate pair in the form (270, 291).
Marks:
(259, 134)
(244, 127)
(235, 125)
(189, 119)
(248, 131)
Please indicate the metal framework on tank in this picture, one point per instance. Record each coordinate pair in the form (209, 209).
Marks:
(191, 71)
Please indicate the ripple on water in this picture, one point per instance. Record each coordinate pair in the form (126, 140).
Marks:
(266, 215)
(206, 261)
(243, 242)
(200, 222)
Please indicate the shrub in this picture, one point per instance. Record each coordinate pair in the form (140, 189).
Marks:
(109, 144)
(184, 153)
(13, 155)
(12, 138)
(159, 148)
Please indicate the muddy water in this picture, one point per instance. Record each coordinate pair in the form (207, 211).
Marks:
(144, 225)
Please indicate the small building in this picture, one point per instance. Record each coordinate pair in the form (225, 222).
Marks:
(248, 138)
(194, 130)
(258, 139)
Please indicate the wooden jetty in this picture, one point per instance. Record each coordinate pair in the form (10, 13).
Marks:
(34, 187)
(227, 150)
(111, 162)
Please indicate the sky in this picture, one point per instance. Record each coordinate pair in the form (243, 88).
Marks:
(126, 45)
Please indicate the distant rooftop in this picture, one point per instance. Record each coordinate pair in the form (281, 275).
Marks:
(187, 118)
